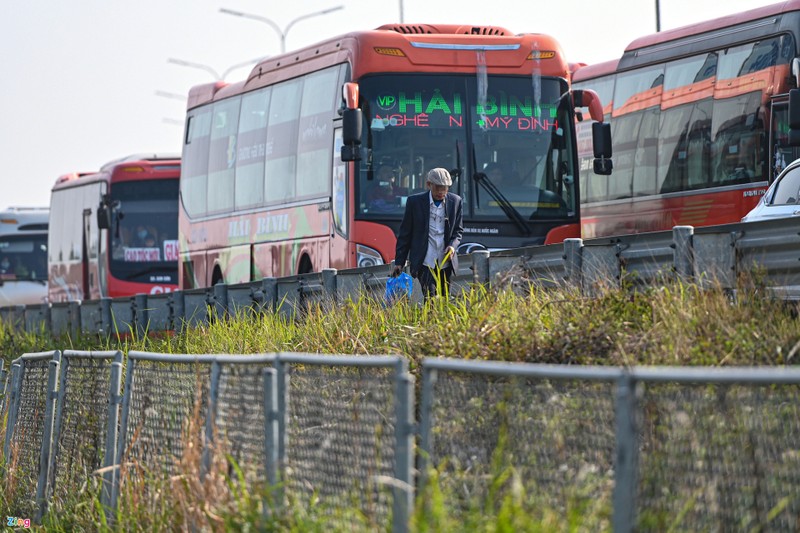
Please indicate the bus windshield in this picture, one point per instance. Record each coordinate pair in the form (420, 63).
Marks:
(143, 239)
(505, 134)
(23, 258)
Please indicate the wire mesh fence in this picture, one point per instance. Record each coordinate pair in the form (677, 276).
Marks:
(489, 427)
(718, 457)
(340, 437)
(85, 430)
(28, 444)
(630, 449)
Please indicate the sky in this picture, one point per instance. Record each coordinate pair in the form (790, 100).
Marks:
(84, 82)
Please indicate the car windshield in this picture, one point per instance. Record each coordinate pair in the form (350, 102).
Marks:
(787, 190)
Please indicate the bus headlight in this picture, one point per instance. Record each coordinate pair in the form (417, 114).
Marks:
(367, 257)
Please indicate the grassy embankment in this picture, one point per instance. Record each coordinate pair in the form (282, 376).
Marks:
(672, 325)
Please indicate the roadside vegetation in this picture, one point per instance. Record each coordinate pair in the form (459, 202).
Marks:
(675, 324)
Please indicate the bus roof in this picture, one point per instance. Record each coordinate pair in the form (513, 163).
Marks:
(14, 219)
(592, 71)
(159, 165)
(712, 24)
(425, 47)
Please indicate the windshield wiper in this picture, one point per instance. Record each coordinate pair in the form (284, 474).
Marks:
(163, 270)
(510, 211)
(504, 204)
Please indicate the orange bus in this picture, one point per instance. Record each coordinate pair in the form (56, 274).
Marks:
(307, 163)
(699, 117)
(115, 232)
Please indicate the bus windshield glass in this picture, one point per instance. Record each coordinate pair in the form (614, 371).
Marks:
(23, 258)
(508, 135)
(143, 239)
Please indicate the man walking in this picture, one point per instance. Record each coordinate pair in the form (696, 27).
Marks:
(430, 233)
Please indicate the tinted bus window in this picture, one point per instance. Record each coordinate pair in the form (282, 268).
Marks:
(194, 164)
(315, 133)
(690, 70)
(281, 160)
(632, 84)
(251, 149)
(221, 155)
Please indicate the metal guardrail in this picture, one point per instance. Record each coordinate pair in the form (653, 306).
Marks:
(768, 250)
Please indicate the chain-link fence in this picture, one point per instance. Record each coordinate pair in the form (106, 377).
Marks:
(28, 438)
(346, 440)
(85, 429)
(645, 449)
(650, 449)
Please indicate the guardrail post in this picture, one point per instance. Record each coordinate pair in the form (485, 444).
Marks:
(178, 311)
(220, 298)
(480, 268)
(105, 315)
(684, 253)
(140, 314)
(329, 283)
(270, 288)
(74, 318)
(573, 262)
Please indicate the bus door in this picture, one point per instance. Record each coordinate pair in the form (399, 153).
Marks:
(339, 214)
(86, 277)
(781, 153)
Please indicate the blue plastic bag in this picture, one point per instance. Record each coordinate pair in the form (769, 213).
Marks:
(397, 288)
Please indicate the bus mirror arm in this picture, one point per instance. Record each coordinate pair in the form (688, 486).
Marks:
(794, 117)
(589, 98)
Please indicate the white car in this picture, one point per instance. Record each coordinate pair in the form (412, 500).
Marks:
(782, 198)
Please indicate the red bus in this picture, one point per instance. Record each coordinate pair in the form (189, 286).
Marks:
(115, 232)
(265, 190)
(699, 118)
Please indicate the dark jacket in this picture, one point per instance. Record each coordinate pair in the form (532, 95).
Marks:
(412, 240)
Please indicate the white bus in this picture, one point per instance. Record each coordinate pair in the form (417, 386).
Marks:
(23, 255)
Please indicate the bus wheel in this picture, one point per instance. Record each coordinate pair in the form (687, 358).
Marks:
(305, 266)
(216, 277)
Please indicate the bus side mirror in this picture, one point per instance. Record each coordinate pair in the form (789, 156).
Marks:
(351, 134)
(103, 216)
(794, 117)
(601, 141)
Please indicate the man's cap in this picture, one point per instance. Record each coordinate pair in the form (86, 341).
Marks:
(440, 176)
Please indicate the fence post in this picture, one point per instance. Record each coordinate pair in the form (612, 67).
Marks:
(111, 475)
(123, 430)
(211, 415)
(404, 431)
(573, 262)
(624, 497)
(429, 376)
(271, 435)
(480, 268)
(47, 436)
(682, 237)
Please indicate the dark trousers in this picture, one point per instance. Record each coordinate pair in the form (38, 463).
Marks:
(432, 280)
